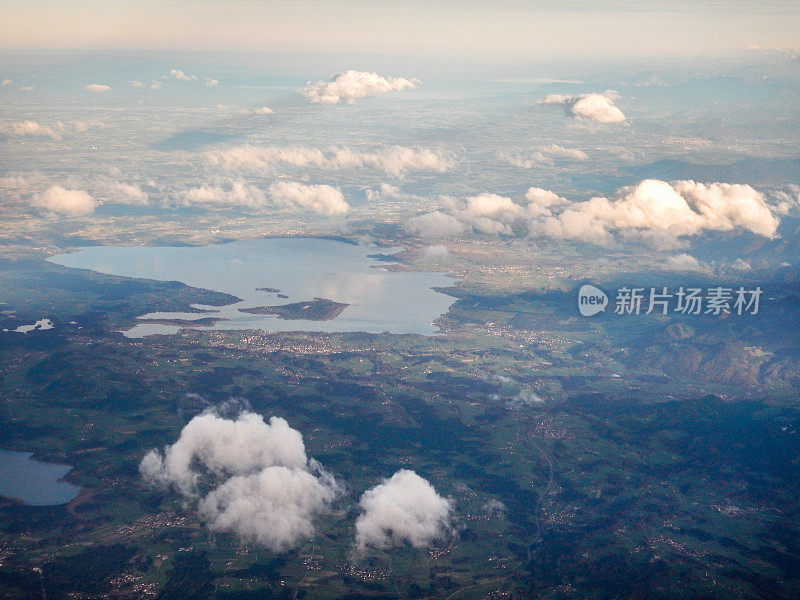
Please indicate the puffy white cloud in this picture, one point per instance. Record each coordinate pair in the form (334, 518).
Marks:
(180, 75)
(124, 193)
(395, 160)
(323, 199)
(352, 85)
(6, 82)
(545, 155)
(385, 192)
(434, 225)
(683, 262)
(540, 201)
(263, 487)
(211, 82)
(62, 201)
(232, 193)
(137, 84)
(263, 110)
(404, 508)
(656, 207)
(725, 206)
(594, 107)
(155, 85)
(654, 212)
(274, 508)
(27, 128)
(490, 213)
(97, 87)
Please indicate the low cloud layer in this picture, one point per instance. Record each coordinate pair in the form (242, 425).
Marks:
(394, 160)
(232, 193)
(653, 211)
(27, 129)
(181, 76)
(545, 155)
(322, 199)
(403, 509)
(124, 193)
(593, 107)
(65, 202)
(248, 477)
(683, 262)
(97, 87)
(435, 225)
(353, 85)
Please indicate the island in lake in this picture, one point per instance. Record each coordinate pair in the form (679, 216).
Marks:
(318, 309)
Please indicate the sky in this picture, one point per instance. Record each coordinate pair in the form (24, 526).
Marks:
(512, 30)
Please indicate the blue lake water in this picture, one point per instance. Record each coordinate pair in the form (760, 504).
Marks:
(301, 268)
(34, 483)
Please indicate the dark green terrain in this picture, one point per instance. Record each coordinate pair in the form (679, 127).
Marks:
(640, 457)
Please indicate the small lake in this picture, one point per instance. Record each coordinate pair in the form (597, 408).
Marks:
(34, 483)
(300, 269)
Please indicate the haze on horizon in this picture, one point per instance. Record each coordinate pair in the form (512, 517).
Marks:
(516, 29)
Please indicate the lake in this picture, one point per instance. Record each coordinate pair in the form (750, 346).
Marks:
(34, 483)
(302, 269)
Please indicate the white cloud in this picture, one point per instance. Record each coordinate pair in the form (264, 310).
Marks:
(683, 262)
(69, 202)
(540, 201)
(385, 192)
(137, 84)
(97, 87)
(404, 508)
(663, 212)
(352, 85)
(653, 212)
(263, 110)
(490, 213)
(6, 82)
(494, 507)
(155, 85)
(274, 508)
(395, 160)
(210, 82)
(180, 75)
(232, 193)
(323, 199)
(264, 488)
(545, 155)
(27, 128)
(124, 193)
(434, 225)
(594, 107)
(436, 254)
(741, 265)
